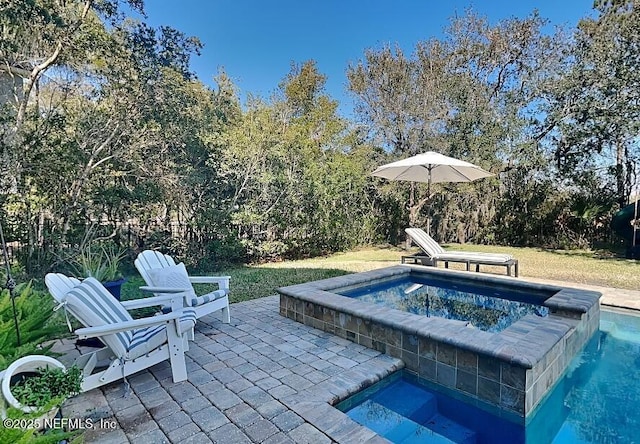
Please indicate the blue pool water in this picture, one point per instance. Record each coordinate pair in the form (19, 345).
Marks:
(602, 387)
(406, 410)
(489, 308)
(597, 401)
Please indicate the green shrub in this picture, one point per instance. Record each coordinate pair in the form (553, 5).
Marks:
(49, 385)
(36, 321)
(99, 261)
(46, 391)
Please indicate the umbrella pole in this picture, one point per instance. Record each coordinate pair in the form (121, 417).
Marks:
(635, 220)
(429, 200)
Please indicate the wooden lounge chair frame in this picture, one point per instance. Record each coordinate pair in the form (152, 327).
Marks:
(433, 254)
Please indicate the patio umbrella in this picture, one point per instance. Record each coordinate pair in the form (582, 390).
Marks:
(431, 167)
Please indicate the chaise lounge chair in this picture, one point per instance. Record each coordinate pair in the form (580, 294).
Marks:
(433, 253)
(130, 345)
(163, 276)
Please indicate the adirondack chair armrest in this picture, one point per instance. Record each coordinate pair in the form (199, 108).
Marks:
(222, 281)
(172, 299)
(102, 330)
(167, 290)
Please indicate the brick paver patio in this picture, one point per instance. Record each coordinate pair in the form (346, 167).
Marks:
(263, 378)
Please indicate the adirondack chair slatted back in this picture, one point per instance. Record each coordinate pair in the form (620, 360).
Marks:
(59, 285)
(149, 260)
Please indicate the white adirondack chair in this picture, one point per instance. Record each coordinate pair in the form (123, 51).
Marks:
(131, 345)
(164, 276)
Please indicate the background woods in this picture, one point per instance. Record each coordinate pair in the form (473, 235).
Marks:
(104, 125)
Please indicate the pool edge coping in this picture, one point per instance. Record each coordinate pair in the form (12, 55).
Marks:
(317, 406)
(503, 346)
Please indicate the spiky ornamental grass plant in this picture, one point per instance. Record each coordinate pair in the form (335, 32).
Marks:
(101, 262)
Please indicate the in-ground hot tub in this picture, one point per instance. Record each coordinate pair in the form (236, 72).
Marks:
(511, 367)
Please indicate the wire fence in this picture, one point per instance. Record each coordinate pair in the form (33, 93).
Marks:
(174, 237)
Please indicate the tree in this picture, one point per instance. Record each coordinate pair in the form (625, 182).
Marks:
(594, 115)
(470, 95)
(38, 36)
(298, 174)
(108, 104)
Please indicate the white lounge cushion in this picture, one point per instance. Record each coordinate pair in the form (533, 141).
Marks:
(488, 258)
(424, 241)
(435, 251)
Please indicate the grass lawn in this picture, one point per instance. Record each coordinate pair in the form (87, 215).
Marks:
(587, 267)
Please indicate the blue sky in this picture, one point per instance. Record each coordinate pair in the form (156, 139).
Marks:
(256, 40)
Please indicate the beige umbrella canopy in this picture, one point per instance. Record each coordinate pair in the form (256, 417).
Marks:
(431, 167)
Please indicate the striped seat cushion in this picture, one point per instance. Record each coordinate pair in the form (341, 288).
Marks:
(95, 306)
(145, 340)
(199, 300)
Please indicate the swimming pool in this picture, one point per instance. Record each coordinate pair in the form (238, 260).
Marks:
(488, 308)
(404, 409)
(511, 369)
(596, 401)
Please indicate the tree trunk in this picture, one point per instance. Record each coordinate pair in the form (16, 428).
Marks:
(620, 176)
(413, 211)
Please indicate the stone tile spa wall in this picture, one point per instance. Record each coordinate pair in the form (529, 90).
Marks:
(512, 369)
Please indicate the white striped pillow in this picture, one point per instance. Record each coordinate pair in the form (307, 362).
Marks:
(94, 306)
(175, 276)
